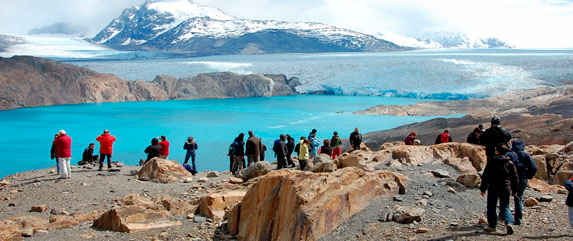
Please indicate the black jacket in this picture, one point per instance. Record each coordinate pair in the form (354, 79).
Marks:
(355, 139)
(190, 147)
(290, 146)
(500, 175)
(152, 151)
(239, 149)
(569, 186)
(88, 154)
(492, 137)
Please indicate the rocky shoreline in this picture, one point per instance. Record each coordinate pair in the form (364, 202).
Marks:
(30, 81)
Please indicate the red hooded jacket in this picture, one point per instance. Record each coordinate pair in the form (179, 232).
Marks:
(63, 146)
(106, 143)
(164, 148)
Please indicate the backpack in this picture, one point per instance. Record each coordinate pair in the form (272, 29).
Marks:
(234, 146)
(297, 148)
(188, 168)
(524, 161)
(277, 146)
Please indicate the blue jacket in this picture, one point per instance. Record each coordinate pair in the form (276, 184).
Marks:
(569, 186)
(526, 167)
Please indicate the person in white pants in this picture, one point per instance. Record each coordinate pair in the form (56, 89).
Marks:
(64, 153)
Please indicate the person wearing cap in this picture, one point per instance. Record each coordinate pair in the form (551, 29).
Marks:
(64, 153)
(191, 146)
(493, 136)
(105, 148)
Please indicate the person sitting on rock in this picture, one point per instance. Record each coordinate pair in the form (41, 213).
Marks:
(153, 149)
(335, 143)
(355, 139)
(526, 169)
(473, 137)
(493, 136)
(325, 148)
(443, 138)
(88, 156)
(303, 154)
(500, 179)
(410, 138)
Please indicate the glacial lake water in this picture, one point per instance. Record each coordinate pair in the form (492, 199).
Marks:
(213, 122)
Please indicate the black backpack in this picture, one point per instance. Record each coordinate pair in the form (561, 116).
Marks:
(297, 148)
(524, 161)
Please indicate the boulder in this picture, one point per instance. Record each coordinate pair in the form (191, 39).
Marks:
(165, 171)
(349, 160)
(294, 205)
(39, 208)
(412, 155)
(363, 147)
(464, 165)
(546, 198)
(177, 207)
(568, 148)
(324, 167)
(134, 218)
(388, 145)
(530, 202)
(469, 180)
(256, 170)
(235, 180)
(213, 205)
(475, 153)
(137, 199)
(406, 215)
(541, 167)
(543, 187)
(321, 158)
(561, 176)
(64, 221)
(10, 233)
(213, 174)
(440, 173)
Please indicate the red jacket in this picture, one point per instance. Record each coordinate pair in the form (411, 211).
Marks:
(106, 143)
(63, 146)
(164, 148)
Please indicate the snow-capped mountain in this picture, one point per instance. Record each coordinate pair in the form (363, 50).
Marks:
(183, 26)
(459, 40)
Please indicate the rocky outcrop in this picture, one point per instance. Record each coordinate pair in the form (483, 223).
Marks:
(134, 218)
(30, 81)
(213, 205)
(164, 171)
(256, 170)
(294, 205)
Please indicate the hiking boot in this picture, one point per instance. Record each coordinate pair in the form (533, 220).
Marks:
(489, 229)
(509, 229)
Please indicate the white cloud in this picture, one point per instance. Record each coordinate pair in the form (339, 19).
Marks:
(524, 23)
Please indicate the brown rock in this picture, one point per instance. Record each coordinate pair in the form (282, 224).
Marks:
(349, 160)
(256, 170)
(294, 205)
(421, 230)
(137, 199)
(10, 233)
(406, 215)
(541, 167)
(133, 218)
(165, 171)
(4, 183)
(464, 165)
(542, 186)
(469, 180)
(177, 207)
(326, 166)
(213, 205)
(235, 180)
(39, 208)
(482, 220)
(213, 174)
(568, 148)
(561, 176)
(530, 202)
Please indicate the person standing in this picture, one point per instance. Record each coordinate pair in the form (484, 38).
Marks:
(88, 155)
(500, 179)
(64, 153)
(153, 149)
(164, 153)
(253, 149)
(493, 136)
(53, 153)
(290, 150)
(238, 153)
(303, 154)
(569, 201)
(191, 146)
(526, 169)
(313, 132)
(473, 138)
(263, 150)
(105, 148)
(325, 148)
(410, 138)
(335, 143)
(355, 139)
(280, 149)
(314, 146)
(443, 138)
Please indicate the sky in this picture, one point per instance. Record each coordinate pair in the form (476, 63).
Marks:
(522, 23)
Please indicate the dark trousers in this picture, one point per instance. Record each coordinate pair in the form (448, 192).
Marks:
(281, 161)
(504, 213)
(192, 155)
(356, 146)
(102, 159)
(303, 164)
(518, 200)
(289, 159)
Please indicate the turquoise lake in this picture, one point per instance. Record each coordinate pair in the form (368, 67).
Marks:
(213, 122)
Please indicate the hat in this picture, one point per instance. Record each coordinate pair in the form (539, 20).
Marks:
(495, 120)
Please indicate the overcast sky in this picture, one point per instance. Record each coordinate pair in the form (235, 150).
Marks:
(523, 23)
